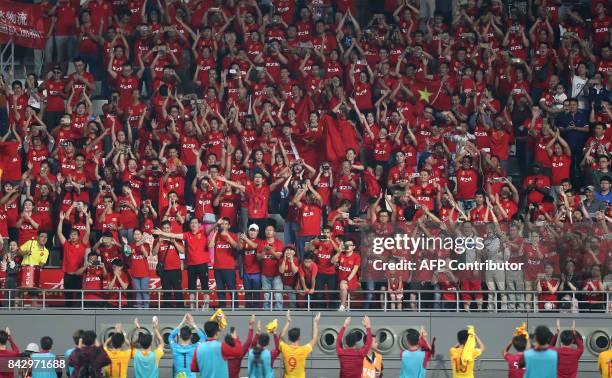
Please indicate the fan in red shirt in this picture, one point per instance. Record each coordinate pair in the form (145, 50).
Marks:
(197, 257)
(125, 82)
(72, 259)
(348, 265)
(532, 250)
(93, 273)
(169, 253)
(258, 194)
(467, 178)
(269, 253)
(310, 215)
(324, 249)
(224, 243)
(537, 185)
(307, 272)
(547, 288)
(561, 157)
(251, 275)
(117, 280)
(139, 267)
(288, 267)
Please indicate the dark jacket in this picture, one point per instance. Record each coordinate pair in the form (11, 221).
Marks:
(94, 356)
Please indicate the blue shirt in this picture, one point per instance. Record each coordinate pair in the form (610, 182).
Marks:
(261, 368)
(67, 354)
(540, 363)
(145, 366)
(42, 365)
(210, 360)
(603, 197)
(412, 364)
(575, 139)
(182, 355)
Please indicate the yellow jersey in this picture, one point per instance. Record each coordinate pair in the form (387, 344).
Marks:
(294, 359)
(120, 359)
(37, 256)
(460, 370)
(605, 364)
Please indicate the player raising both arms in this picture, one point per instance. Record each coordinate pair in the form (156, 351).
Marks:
(464, 354)
(294, 355)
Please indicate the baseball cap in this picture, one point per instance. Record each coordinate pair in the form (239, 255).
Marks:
(289, 246)
(32, 347)
(254, 227)
(589, 188)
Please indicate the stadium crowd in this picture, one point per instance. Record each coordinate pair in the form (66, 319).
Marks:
(268, 142)
(204, 353)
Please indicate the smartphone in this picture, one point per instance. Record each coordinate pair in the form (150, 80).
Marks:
(232, 71)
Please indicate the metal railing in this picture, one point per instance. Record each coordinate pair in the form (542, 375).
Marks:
(371, 300)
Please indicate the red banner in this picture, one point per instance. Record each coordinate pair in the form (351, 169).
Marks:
(22, 23)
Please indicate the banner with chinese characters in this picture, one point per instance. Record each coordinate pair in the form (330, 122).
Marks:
(22, 23)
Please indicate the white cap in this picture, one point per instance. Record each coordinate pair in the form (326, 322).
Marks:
(32, 347)
(254, 226)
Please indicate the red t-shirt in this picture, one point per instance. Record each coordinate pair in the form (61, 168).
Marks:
(324, 252)
(289, 277)
(346, 265)
(250, 262)
(197, 248)
(74, 256)
(139, 265)
(308, 273)
(224, 253)
(113, 297)
(93, 279)
(514, 371)
(467, 183)
(310, 220)
(257, 200)
(560, 169)
(269, 263)
(169, 256)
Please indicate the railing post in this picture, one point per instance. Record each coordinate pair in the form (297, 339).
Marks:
(308, 302)
(233, 303)
(82, 299)
(120, 299)
(384, 301)
(10, 298)
(419, 301)
(44, 298)
(159, 295)
(457, 301)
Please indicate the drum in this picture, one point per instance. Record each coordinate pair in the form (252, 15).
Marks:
(29, 277)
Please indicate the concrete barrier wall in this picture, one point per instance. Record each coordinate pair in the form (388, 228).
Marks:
(494, 329)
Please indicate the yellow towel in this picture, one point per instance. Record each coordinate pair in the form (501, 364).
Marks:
(522, 330)
(272, 326)
(220, 318)
(467, 354)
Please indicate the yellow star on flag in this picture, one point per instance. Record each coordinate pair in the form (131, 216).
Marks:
(424, 95)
